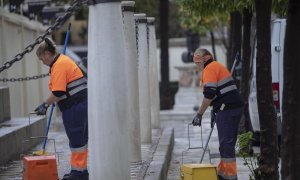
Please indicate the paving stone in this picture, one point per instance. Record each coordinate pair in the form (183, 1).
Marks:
(13, 169)
(190, 152)
(188, 148)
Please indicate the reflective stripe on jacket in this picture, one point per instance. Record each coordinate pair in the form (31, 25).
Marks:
(74, 87)
(219, 85)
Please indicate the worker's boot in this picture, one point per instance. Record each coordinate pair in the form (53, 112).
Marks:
(76, 175)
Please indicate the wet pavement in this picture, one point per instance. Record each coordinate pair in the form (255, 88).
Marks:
(189, 145)
(188, 148)
(13, 169)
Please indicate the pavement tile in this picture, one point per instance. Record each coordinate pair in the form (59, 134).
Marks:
(189, 145)
(13, 169)
(188, 148)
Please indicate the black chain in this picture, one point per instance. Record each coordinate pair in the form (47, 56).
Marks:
(148, 38)
(137, 35)
(58, 23)
(24, 78)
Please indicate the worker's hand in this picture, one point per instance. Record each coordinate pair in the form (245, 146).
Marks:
(41, 109)
(197, 119)
(212, 118)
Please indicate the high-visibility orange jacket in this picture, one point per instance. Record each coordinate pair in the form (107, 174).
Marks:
(66, 77)
(219, 86)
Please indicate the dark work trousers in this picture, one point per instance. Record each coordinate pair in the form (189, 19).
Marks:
(76, 124)
(227, 124)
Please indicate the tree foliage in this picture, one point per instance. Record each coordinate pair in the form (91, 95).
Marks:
(244, 149)
(204, 15)
(202, 24)
(211, 7)
(151, 8)
(280, 7)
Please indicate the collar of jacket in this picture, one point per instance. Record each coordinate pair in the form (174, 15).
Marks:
(54, 60)
(208, 62)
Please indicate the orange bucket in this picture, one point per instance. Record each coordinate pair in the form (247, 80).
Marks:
(40, 167)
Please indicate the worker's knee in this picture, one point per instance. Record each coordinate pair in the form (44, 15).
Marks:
(227, 150)
(76, 125)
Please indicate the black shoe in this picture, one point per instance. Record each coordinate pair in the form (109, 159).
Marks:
(76, 175)
(66, 175)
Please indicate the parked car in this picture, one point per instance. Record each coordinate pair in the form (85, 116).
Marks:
(277, 47)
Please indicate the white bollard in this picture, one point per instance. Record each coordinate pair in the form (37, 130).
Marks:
(143, 70)
(108, 123)
(131, 68)
(154, 84)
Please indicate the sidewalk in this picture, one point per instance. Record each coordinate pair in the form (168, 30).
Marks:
(169, 142)
(182, 153)
(13, 170)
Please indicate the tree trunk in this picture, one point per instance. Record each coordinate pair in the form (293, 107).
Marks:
(164, 56)
(213, 45)
(268, 166)
(235, 37)
(290, 151)
(247, 15)
(224, 39)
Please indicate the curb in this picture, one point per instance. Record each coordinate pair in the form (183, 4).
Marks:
(15, 137)
(158, 168)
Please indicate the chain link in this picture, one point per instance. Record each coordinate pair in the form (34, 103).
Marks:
(137, 35)
(148, 38)
(24, 78)
(58, 22)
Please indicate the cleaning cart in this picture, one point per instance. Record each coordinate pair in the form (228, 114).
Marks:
(199, 171)
(40, 165)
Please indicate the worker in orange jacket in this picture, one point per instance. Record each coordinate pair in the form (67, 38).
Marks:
(68, 88)
(221, 93)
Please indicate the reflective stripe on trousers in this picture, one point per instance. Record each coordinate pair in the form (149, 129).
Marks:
(227, 125)
(79, 158)
(227, 169)
(76, 126)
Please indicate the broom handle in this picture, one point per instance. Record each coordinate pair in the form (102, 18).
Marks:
(237, 59)
(205, 147)
(53, 105)
(67, 38)
(48, 126)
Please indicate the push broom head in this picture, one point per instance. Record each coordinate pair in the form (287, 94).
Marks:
(39, 153)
